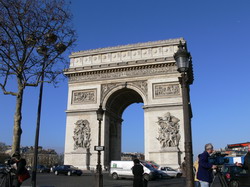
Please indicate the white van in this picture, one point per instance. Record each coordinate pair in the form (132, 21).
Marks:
(123, 169)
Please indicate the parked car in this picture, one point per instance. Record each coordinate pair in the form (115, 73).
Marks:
(153, 172)
(235, 176)
(153, 164)
(42, 169)
(159, 174)
(2, 167)
(170, 171)
(123, 169)
(52, 169)
(67, 170)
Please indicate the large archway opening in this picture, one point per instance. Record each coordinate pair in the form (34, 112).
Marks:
(133, 129)
(115, 107)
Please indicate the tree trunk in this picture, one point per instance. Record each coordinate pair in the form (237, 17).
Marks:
(17, 131)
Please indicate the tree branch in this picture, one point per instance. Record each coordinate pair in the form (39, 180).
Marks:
(6, 92)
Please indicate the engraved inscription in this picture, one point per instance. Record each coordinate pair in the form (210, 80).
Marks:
(166, 90)
(84, 96)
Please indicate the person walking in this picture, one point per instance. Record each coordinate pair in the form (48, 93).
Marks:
(138, 171)
(205, 169)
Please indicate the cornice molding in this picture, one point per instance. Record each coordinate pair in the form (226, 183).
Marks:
(145, 107)
(127, 47)
(81, 110)
(118, 65)
(121, 73)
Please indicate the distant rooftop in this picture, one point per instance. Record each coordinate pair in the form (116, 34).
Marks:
(238, 145)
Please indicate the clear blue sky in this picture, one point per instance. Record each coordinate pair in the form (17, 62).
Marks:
(218, 36)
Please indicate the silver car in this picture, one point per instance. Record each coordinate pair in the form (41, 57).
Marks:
(170, 171)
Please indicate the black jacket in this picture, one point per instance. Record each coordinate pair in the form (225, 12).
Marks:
(246, 164)
(205, 172)
(20, 166)
(138, 175)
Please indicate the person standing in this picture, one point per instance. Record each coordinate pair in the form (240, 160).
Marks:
(246, 164)
(205, 169)
(184, 167)
(138, 171)
(18, 164)
(196, 181)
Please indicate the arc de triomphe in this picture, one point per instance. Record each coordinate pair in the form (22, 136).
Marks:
(116, 77)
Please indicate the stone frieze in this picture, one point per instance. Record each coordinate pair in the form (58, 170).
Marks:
(119, 73)
(84, 96)
(164, 90)
(141, 85)
(123, 56)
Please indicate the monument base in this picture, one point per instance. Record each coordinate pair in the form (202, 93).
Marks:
(169, 156)
(79, 158)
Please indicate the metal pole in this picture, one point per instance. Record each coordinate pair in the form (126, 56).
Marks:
(33, 178)
(99, 166)
(187, 130)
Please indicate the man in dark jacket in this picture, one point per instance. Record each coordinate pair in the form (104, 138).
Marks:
(138, 171)
(246, 164)
(205, 170)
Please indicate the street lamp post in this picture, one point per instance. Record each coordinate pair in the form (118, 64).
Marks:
(99, 113)
(34, 170)
(183, 61)
(43, 50)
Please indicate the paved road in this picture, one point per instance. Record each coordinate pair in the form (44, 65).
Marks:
(88, 180)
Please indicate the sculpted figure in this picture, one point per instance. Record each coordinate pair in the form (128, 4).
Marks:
(168, 131)
(81, 134)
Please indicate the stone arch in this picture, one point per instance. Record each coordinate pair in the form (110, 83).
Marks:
(115, 102)
(117, 77)
(142, 92)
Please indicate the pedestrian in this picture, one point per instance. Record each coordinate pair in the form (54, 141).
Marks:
(246, 164)
(138, 171)
(18, 165)
(196, 181)
(184, 167)
(205, 169)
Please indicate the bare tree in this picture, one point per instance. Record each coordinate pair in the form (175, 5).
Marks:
(3, 147)
(29, 28)
(3, 154)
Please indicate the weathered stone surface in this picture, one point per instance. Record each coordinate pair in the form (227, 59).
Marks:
(117, 77)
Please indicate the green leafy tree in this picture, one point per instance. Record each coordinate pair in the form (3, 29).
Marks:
(33, 36)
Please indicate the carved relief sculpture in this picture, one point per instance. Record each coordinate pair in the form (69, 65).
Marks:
(82, 134)
(84, 96)
(169, 135)
(141, 85)
(164, 90)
